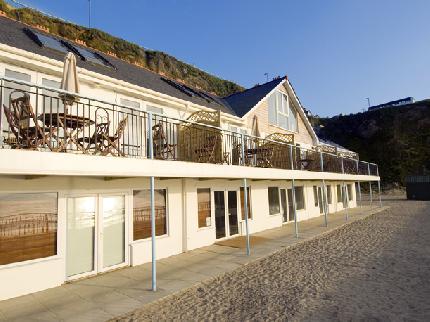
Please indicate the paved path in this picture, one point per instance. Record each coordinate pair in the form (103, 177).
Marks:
(112, 294)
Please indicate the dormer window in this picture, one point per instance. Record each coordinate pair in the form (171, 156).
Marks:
(281, 112)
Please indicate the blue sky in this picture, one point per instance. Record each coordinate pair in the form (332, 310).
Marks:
(336, 53)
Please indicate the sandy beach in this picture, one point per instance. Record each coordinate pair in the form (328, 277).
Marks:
(377, 268)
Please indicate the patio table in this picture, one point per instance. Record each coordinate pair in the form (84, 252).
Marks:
(262, 155)
(70, 125)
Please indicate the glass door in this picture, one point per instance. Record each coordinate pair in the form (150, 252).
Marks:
(320, 200)
(96, 234)
(113, 230)
(81, 235)
(284, 207)
(232, 213)
(219, 199)
(290, 205)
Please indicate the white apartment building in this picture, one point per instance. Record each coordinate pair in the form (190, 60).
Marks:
(75, 169)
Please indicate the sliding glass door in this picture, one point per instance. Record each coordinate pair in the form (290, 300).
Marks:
(113, 230)
(226, 213)
(81, 241)
(96, 234)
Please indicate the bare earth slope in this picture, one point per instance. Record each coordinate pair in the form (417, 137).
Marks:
(377, 268)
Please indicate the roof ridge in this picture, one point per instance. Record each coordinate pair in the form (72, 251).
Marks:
(280, 78)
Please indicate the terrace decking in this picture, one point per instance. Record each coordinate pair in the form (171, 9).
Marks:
(40, 118)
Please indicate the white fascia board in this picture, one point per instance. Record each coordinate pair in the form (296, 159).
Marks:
(25, 162)
(42, 63)
(302, 113)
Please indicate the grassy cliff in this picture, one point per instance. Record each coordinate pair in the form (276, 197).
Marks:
(155, 61)
(397, 138)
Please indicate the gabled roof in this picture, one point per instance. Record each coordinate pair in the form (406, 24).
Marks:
(242, 102)
(12, 33)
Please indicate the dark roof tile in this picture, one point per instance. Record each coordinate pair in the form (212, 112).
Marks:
(242, 102)
(12, 34)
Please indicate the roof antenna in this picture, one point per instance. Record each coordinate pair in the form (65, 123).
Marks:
(267, 76)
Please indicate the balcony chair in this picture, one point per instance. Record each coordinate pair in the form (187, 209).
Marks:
(20, 115)
(111, 144)
(97, 141)
(162, 148)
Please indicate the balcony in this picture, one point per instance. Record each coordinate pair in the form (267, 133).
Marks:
(46, 119)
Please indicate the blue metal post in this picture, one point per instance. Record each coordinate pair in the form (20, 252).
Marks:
(359, 186)
(379, 186)
(245, 193)
(296, 227)
(152, 202)
(344, 190)
(324, 196)
(370, 184)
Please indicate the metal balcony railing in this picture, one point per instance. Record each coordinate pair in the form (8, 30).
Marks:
(47, 119)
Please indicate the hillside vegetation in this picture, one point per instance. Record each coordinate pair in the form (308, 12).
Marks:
(397, 138)
(155, 61)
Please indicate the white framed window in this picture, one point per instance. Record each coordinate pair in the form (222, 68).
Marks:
(349, 187)
(329, 198)
(142, 213)
(51, 101)
(281, 112)
(274, 203)
(129, 103)
(154, 109)
(28, 226)
(204, 207)
(299, 192)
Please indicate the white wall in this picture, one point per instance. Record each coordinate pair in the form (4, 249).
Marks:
(35, 275)
(183, 231)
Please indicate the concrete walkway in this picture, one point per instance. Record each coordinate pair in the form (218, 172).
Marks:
(112, 294)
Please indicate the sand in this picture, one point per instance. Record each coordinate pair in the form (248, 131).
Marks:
(377, 268)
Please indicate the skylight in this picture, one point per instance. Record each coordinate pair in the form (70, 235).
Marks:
(92, 57)
(47, 42)
(188, 90)
(63, 46)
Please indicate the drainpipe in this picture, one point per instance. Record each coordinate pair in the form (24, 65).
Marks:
(245, 194)
(324, 196)
(370, 184)
(345, 202)
(152, 201)
(296, 227)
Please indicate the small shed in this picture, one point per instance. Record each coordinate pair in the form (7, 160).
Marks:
(418, 187)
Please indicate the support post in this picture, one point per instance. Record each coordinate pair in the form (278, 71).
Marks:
(359, 185)
(324, 195)
(296, 227)
(379, 186)
(345, 202)
(245, 194)
(246, 210)
(152, 203)
(370, 185)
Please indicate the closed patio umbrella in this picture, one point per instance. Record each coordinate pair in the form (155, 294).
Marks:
(70, 81)
(255, 130)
